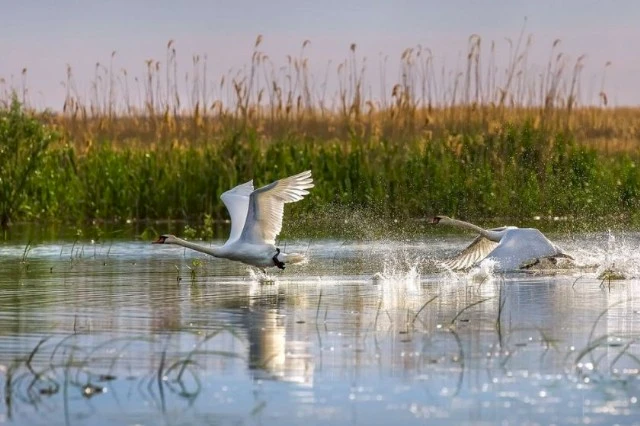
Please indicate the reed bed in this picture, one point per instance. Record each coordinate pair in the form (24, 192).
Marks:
(478, 142)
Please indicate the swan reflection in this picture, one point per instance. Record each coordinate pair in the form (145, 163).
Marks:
(278, 348)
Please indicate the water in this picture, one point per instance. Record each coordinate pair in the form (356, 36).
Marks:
(125, 332)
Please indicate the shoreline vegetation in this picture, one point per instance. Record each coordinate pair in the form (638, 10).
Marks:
(479, 143)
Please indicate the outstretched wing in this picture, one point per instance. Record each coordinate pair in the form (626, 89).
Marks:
(266, 205)
(473, 253)
(237, 202)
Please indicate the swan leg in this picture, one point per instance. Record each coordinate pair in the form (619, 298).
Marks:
(278, 263)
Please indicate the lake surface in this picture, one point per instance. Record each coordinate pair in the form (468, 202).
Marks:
(368, 332)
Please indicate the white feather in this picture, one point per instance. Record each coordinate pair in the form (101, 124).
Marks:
(266, 206)
(474, 253)
(237, 202)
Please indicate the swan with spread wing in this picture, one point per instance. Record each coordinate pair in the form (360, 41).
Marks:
(256, 221)
(511, 247)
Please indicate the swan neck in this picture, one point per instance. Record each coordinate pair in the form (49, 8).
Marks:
(213, 251)
(491, 235)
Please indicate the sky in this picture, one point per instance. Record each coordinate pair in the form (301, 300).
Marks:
(44, 36)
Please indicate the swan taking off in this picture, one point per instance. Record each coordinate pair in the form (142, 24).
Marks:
(256, 221)
(511, 247)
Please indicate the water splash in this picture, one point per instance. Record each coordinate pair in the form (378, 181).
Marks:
(399, 279)
(621, 261)
(617, 258)
(484, 272)
(256, 275)
(400, 288)
(400, 269)
(481, 273)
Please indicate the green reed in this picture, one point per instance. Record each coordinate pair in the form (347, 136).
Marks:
(478, 142)
(23, 144)
(517, 172)
(157, 106)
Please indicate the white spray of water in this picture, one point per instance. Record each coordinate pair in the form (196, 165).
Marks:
(256, 275)
(484, 272)
(400, 288)
(399, 268)
(399, 280)
(618, 257)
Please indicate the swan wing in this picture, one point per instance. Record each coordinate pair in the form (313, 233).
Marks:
(237, 202)
(473, 253)
(266, 206)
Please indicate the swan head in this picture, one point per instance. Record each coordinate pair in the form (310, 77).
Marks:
(437, 219)
(165, 239)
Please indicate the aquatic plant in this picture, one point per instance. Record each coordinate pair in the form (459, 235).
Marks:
(473, 142)
(23, 144)
(517, 173)
(64, 367)
(157, 108)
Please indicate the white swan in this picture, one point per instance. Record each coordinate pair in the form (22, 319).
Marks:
(256, 221)
(511, 247)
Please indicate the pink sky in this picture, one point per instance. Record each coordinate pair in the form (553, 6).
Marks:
(45, 37)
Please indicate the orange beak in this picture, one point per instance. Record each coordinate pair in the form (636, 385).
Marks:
(160, 240)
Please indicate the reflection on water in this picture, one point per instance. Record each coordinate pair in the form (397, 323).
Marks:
(365, 333)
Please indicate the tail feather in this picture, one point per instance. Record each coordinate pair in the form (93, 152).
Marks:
(292, 258)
